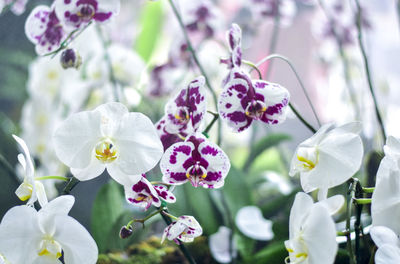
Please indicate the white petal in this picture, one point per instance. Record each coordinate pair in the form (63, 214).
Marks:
(76, 242)
(34, 25)
(138, 144)
(333, 204)
(301, 206)
(76, 137)
(172, 161)
(383, 235)
(220, 245)
(320, 236)
(94, 169)
(41, 193)
(111, 115)
(250, 222)
(30, 170)
(20, 234)
(388, 254)
(119, 176)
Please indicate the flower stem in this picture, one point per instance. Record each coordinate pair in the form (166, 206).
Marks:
(277, 56)
(70, 185)
(169, 215)
(196, 60)
(350, 195)
(109, 64)
(208, 128)
(166, 217)
(357, 224)
(147, 217)
(61, 178)
(9, 169)
(253, 66)
(368, 189)
(367, 69)
(361, 201)
(274, 40)
(312, 129)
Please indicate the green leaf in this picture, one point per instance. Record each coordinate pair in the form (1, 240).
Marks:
(151, 22)
(107, 207)
(263, 144)
(236, 190)
(203, 209)
(274, 253)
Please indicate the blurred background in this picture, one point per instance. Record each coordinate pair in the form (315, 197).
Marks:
(151, 63)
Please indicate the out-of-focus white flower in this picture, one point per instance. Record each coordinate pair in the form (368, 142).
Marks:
(250, 221)
(385, 206)
(30, 189)
(388, 244)
(312, 232)
(109, 137)
(220, 245)
(275, 181)
(17, 6)
(29, 236)
(328, 158)
(184, 229)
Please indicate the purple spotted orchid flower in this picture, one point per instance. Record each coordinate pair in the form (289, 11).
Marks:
(196, 160)
(168, 139)
(144, 194)
(184, 229)
(77, 13)
(234, 39)
(43, 29)
(244, 100)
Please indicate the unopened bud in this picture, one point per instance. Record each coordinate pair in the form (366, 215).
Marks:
(125, 232)
(70, 58)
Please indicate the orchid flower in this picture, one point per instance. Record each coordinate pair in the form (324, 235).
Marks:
(30, 189)
(220, 245)
(43, 28)
(184, 229)
(17, 6)
(77, 13)
(312, 232)
(284, 9)
(196, 160)
(234, 39)
(109, 137)
(250, 221)
(328, 158)
(144, 194)
(244, 100)
(388, 244)
(29, 236)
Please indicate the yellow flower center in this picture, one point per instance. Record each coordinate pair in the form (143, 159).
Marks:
(106, 151)
(50, 248)
(307, 157)
(24, 191)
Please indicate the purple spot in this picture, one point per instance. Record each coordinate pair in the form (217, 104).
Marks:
(228, 105)
(209, 150)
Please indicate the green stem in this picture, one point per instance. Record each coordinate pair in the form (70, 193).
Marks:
(277, 56)
(312, 129)
(342, 233)
(166, 217)
(372, 258)
(70, 185)
(350, 195)
(196, 60)
(169, 215)
(368, 189)
(147, 217)
(208, 128)
(367, 70)
(361, 201)
(9, 169)
(61, 178)
(357, 224)
(274, 41)
(253, 66)
(109, 64)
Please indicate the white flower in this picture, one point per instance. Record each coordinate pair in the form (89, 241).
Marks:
(30, 237)
(30, 190)
(109, 137)
(388, 244)
(328, 158)
(184, 229)
(312, 232)
(250, 222)
(220, 245)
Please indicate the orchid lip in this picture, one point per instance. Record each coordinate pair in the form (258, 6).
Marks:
(86, 12)
(255, 109)
(106, 151)
(182, 115)
(196, 174)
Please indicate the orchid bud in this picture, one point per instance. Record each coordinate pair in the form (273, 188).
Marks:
(70, 58)
(125, 232)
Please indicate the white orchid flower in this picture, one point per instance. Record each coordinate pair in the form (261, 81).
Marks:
(31, 237)
(312, 232)
(250, 221)
(328, 158)
(184, 229)
(388, 244)
(109, 137)
(220, 245)
(30, 189)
